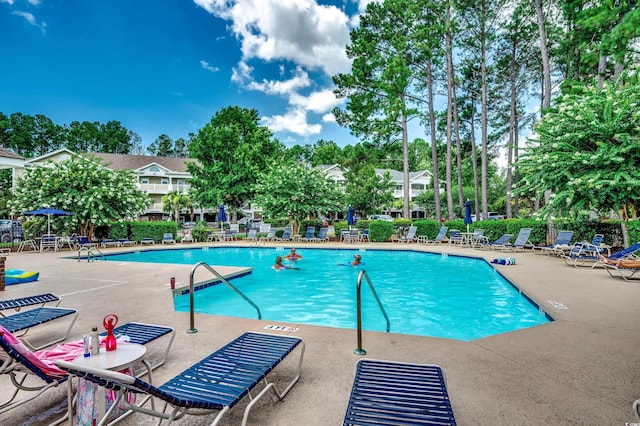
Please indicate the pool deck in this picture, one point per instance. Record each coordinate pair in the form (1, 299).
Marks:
(582, 369)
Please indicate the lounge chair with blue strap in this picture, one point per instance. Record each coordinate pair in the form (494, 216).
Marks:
(20, 363)
(286, 234)
(584, 253)
(442, 233)
(409, 237)
(483, 242)
(215, 384)
(25, 319)
(394, 393)
(630, 252)
(322, 236)
(561, 244)
(309, 235)
(168, 238)
(520, 243)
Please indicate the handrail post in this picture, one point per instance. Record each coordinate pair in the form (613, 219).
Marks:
(358, 350)
(363, 274)
(192, 328)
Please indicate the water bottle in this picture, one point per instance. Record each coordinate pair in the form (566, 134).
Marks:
(95, 342)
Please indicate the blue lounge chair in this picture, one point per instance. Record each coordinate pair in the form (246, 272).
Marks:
(310, 234)
(167, 238)
(216, 383)
(484, 244)
(437, 240)
(83, 241)
(627, 253)
(584, 253)
(26, 320)
(409, 237)
(393, 393)
(17, 365)
(271, 236)
(520, 243)
(322, 236)
(19, 303)
(286, 234)
(455, 237)
(559, 246)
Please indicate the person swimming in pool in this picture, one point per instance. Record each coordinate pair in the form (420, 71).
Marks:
(293, 256)
(279, 265)
(356, 260)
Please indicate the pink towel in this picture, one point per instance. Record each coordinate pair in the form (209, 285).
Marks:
(46, 359)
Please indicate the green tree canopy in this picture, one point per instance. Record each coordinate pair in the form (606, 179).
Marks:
(232, 150)
(297, 192)
(175, 201)
(368, 192)
(93, 193)
(587, 152)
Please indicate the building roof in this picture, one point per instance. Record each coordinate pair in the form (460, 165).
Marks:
(7, 153)
(135, 162)
(398, 176)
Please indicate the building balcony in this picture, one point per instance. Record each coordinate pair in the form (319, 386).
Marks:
(160, 188)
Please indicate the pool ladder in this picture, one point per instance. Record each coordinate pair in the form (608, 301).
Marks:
(363, 274)
(192, 328)
(90, 250)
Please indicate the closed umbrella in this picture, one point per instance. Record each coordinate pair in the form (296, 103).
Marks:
(222, 216)
(467, 214)
(48, 212)
(350, 219)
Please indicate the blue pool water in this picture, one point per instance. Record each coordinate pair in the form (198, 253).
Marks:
(423, 294)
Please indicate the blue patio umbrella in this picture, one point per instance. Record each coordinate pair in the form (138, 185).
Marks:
(48, 212)
(350, 219)
(222, 216)
(467, 214)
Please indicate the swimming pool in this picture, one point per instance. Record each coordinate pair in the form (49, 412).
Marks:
(423, 293)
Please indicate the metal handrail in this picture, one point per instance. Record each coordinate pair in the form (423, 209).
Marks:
(192, 328)
(89, 250)
(364, 274)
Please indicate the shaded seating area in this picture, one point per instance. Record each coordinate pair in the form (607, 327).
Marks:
(215, 384)
(395, 393)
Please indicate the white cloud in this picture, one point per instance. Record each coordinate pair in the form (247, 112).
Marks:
(31, 19)
(294, 121)
(329, 118)
(319, 102)
(34, 2)
(208, 67)
(300, 31)
(10, 2)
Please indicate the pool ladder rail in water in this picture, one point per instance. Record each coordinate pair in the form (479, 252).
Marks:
(363, 274)
(192, 327)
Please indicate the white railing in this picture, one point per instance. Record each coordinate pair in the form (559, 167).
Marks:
(160, 188)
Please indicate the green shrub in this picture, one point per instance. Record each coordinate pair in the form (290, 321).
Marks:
(427, 227)
(380, 231)
(155, 230)
(200, 232)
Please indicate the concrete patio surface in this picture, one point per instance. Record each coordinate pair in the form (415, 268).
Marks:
(581, 369)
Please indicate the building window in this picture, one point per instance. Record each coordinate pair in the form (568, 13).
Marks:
(154, 169)
(144, 181)
(164, 181)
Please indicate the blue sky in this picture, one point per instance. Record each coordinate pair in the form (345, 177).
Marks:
(168, 66)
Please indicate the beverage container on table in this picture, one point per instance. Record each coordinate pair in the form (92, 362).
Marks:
(87, 345)
(109, 323)
(95, 342)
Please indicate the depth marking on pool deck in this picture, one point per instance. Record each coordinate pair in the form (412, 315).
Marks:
(281, 328)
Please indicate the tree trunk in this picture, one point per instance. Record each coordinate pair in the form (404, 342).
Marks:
(434, 141)
(513, 125)
(405, 166)
(484, 106)
(544, 56)
(448, 43)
